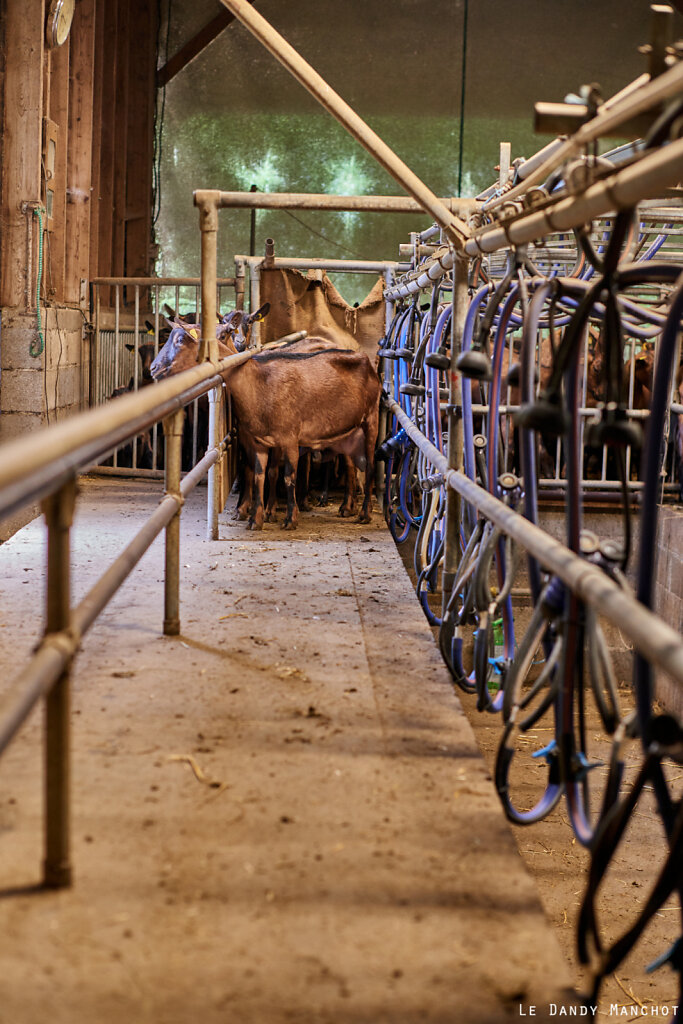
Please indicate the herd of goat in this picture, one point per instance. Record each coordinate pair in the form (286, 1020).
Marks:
(320, 396)
(317, 395)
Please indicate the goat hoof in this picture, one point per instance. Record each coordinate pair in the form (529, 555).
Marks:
(323, 502)
(345, 513)
(306, 506)
(288, 525)
(364, 517)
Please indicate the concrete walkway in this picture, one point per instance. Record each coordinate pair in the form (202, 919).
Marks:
(280, 816)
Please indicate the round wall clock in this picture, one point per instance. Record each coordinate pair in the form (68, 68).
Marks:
(59, 17)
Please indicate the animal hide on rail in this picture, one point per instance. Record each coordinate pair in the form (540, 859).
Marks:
(301, 302)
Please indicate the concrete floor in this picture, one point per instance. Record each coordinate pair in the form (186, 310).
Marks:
(280, 815)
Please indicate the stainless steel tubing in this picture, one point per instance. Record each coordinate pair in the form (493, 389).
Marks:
(433, 271)
(653, 638)
(428, 233)
(639, 96)
(455, 228)
(642, 180)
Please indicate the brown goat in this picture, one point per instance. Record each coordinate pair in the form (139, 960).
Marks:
(291, 398)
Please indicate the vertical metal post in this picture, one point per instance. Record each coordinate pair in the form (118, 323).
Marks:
(58, 511)
(252, 227)
(173, 435)
(214, 477)
(208, 224)
(380, 469)
(504, 164)
(255, 302)
(455, 433)
(95, 387)
(240, 273)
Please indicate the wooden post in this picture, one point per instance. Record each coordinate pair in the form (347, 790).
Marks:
(58, 111)
(21, 146)
(79, 167)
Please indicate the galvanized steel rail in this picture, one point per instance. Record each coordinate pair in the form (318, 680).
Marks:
(44, 466)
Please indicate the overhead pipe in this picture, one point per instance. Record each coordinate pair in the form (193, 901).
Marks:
(637, 98)
(333, 203)
(301, 263)
(456, 229)
(645, 179)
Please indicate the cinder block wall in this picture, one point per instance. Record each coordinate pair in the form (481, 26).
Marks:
(39, 390)
(669, 593)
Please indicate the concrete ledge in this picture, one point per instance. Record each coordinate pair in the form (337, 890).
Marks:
(669, 593)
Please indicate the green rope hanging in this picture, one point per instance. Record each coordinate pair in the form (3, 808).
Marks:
(37, 346)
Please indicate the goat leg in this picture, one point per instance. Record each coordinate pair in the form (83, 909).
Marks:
(348, 505)
(291, 461)
(370, 428)
(273, 472)
(256, 518)
(303, 479)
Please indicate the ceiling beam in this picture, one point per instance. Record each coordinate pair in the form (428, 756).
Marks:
(193, 47)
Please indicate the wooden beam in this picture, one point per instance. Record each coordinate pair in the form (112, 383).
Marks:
(107, 64)
(79, 161)
(99, 126)
(120, 129)
(58, 111)
(142, 93)
(194, 47)
(22, 135)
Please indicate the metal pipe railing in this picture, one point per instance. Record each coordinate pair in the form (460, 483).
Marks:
(33, 466)
(57, 648)
(339, 204)
(658, 642)
(636, 98)
(156, 282)
(314, 263)
(646, 179)
(45, 465)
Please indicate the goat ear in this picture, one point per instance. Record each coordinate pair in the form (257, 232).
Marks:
(261, 313)
(131, 348)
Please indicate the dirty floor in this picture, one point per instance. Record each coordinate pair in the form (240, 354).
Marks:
(281, 815)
